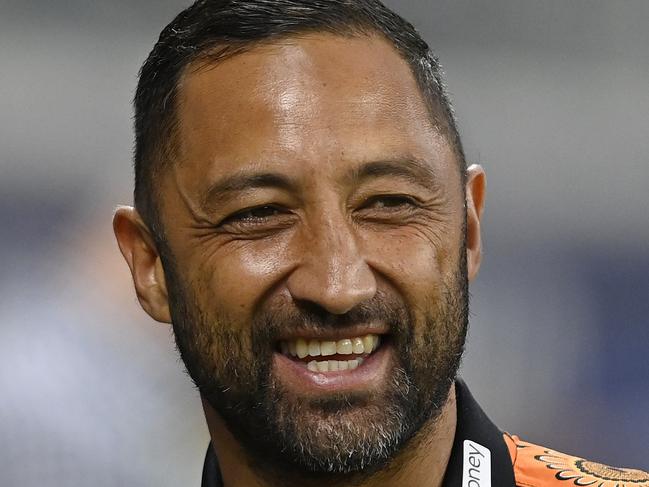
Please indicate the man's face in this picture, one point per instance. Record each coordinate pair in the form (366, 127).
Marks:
(314, 204)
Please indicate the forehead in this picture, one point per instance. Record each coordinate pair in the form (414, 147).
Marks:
(312, 102)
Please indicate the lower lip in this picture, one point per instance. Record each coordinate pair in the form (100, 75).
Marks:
(368, 375)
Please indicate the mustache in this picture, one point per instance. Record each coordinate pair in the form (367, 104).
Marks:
(281, 318)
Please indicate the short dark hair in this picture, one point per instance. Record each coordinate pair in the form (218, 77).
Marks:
(212, 30)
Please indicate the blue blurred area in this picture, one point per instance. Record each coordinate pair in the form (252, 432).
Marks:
(552, 99)
(558, 347)
(619, 285)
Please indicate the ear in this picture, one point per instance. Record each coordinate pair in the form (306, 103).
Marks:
(476, 183)
(140, 252)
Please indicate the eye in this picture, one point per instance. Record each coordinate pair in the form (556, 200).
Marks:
(390, 202)
(258, 213)
(257, 221)
(391, 209)
(254, 215)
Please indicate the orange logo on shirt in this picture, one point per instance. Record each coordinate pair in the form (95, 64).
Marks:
(583, 472)
(536, 466)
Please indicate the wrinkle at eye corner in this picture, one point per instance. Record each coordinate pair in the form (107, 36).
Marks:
(196, 213)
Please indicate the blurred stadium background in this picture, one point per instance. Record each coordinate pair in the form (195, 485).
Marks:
(552, 98)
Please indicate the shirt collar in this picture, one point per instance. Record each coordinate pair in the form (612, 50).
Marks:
(479, 450)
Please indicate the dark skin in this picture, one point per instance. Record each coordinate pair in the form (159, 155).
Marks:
(319, 178)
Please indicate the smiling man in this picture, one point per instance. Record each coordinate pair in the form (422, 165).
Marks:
(305, 219)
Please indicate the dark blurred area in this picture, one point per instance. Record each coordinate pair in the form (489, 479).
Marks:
(552, 98)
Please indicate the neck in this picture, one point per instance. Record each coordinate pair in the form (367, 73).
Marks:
(422, 462)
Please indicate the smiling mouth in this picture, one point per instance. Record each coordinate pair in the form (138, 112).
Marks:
(330, 355)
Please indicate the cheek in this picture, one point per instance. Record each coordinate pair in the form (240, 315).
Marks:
(409, 261)
(237, 277)
(416, 263)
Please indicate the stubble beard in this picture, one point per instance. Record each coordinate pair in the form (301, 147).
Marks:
(345, 433)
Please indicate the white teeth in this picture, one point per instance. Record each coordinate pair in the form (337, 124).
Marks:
(333, 365)
(301, 347)
(323, 366)
(358, 345)
(314, 348)
(344, 346)
(368, 342)
(328, 348)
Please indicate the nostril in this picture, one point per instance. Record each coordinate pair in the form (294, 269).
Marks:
(334, 289)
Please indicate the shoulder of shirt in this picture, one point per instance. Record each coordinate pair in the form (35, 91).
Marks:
(538, 466)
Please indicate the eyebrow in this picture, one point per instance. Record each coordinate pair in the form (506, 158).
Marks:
(413, 170)
(245, 181)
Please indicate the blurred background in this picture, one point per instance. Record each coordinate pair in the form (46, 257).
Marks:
(552, 98)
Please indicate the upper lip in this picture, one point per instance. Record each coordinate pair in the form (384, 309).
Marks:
(335, 334)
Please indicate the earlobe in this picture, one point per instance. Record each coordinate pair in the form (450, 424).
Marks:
(476, 183)
(140, 252)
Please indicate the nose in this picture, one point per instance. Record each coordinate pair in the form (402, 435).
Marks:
(333, 272)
